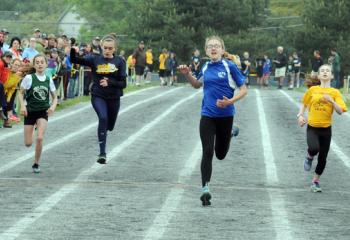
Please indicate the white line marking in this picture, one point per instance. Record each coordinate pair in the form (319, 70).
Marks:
(65, 115)
(334, 147)
(68, 137)
(15, 231)
(160, 223)
(279, 213)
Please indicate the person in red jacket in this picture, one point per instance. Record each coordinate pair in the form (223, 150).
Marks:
(4, 73)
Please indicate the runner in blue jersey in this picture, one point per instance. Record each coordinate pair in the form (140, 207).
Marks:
(219, 79)
(109, 80)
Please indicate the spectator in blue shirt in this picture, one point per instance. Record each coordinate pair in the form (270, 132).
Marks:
(30, 52)
(219, 78)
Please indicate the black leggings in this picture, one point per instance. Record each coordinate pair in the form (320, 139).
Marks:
(319, 141)
(214, 132)
(107, 112)
(2, 97)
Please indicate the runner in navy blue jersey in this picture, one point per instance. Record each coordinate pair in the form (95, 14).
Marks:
(109, 80)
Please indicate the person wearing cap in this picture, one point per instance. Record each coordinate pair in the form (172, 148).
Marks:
(96, 47)
(140, 62)
(6, 33)
(30, 52)
(52, 42)
(4, 74)
(3, 45)
(36, 33)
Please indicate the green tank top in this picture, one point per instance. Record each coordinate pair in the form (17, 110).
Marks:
(38, 95)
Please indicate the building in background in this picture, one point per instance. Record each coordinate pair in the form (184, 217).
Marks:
(70, 22)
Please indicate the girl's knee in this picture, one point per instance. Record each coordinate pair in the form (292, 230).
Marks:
(39, 140)
(209, 152)
(220, 156)
(313, 151)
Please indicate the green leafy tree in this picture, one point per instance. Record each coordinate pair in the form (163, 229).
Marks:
(326, 26)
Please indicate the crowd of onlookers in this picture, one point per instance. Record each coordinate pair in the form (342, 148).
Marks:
(287, 70)
(16, 55)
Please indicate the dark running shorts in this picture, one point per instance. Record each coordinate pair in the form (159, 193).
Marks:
(139, 70)
(161, 73)
(150, 67)
(32, 117)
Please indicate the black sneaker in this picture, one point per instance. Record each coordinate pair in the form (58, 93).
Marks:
(235, 131)
(205, 198)
(102, 159)
(36, 168)
(2, 115)
(7, 124)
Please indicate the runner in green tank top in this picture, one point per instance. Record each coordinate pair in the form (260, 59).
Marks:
(37, 87)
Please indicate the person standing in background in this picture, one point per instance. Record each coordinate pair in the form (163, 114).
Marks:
(149, 65)
(316, 63)
(280, 62)
(336, 67)
(140, 62)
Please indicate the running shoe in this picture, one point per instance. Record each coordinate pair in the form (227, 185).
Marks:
(308, 162)
(7, 124)
(235, 131)
(101, 159)
(14, 118)
(205, 198)
(36, 168)
(315, 187)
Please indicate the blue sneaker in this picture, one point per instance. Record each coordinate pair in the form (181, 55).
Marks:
(307, 163)
(205, 198)
(315, 187)
(235, 131)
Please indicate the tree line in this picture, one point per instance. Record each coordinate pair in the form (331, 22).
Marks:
(182, 25)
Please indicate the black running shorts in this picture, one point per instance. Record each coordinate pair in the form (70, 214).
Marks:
(32, 117)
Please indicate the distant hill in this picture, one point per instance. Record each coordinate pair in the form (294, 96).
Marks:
(280, 8)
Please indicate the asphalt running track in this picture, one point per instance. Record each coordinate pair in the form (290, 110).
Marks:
(150, 187)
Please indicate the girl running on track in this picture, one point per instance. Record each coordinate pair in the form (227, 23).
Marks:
(109, 80)
(219, 78)
(321, 101)
(37, 87)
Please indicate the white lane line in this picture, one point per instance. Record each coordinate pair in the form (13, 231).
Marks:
(279, 213)
(334, 146)
(68, 114)
(70, 136)
(160, 223)
(15, 231)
